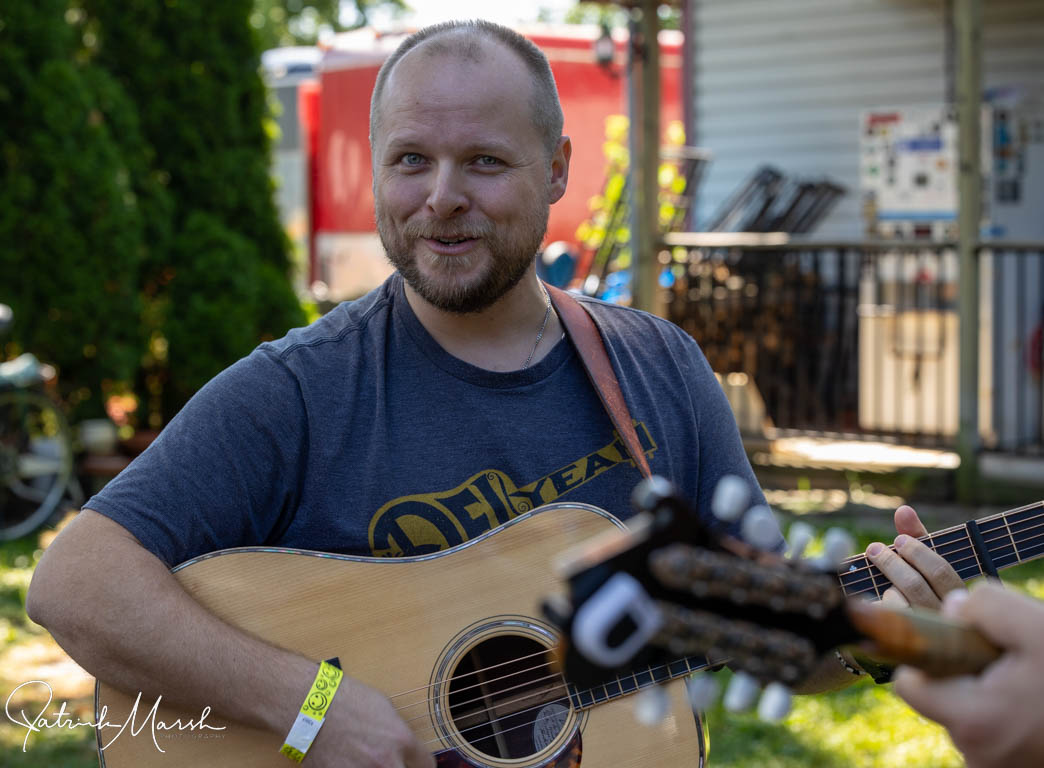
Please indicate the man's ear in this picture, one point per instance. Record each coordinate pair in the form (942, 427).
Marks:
(560, 168)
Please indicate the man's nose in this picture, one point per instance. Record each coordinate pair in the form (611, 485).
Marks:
(448, 195)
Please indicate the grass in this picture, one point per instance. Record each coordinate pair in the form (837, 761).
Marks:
(27, 652)
(863, 726)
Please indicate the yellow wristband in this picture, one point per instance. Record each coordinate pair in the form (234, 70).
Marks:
(313, 712)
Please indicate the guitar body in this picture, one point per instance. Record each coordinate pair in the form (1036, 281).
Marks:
(454, 639)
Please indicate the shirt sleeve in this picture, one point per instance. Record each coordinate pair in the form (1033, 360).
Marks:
(721, 450)
(224, 472)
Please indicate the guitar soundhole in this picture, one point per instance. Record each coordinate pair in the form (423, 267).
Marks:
(506, 700)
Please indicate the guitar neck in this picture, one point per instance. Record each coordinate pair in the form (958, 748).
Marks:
(973, 548)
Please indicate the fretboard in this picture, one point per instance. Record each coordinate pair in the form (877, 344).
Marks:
(1008, 538)
(625, 685)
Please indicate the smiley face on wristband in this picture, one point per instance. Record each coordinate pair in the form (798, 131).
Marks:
(318, 701)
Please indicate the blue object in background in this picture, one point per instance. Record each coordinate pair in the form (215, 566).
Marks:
(557, 264)
(617, 287)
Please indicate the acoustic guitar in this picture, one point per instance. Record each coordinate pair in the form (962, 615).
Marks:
(454, 639)
(458, 642)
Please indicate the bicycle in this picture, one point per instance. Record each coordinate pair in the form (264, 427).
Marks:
(36, 446)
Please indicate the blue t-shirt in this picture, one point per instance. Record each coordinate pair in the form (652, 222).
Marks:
(360, 435)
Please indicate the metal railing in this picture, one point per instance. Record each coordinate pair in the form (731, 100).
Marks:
(860, 339)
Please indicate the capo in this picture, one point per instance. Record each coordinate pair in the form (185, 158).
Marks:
(985, 559)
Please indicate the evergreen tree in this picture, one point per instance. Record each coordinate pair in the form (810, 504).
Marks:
(221, 284)
(299, 22)
(72, 238)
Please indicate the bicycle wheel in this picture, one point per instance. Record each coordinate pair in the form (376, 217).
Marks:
(36, 461)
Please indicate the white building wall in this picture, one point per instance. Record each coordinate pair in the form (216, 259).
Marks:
(783, 82)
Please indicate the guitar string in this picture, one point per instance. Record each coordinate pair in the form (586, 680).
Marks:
(506, 690)
(860, 585)
(483, 696)
(438, 739)
(988, 539)
(567, 697)
(490, 710)
(865, 573)
(478, 671)
(990, 519)
(650, 670)
(638, 687)
(1004, 536)
(870, 576)
(866, 568)
(536, 668)
(562, 685)
(962, 547)
(516, 700)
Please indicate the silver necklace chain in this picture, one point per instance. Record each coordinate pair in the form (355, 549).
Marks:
(543, 326)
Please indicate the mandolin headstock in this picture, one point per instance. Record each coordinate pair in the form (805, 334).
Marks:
(675, 587)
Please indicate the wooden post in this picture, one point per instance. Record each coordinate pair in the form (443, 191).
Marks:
(645, 162)
(968, 26)
(688, 98)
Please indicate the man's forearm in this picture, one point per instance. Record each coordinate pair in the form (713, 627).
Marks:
(117, 610)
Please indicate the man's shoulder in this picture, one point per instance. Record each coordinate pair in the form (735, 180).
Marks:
(631, 325)
(341, 326)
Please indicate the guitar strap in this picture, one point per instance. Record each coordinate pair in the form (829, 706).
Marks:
(588, 342)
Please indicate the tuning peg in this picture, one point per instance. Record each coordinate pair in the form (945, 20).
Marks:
(651, 705)
(741, 693)
(650, 491)
(760, 529)
(837, 545)
(775, 703)
(731, 497)
(702, 690)
(798, 539)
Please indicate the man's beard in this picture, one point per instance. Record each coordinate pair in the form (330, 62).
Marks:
(510, 258)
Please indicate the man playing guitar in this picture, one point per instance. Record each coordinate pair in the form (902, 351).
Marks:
(439, 406)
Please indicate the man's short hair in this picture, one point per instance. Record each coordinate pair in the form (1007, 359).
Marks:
(466, 44)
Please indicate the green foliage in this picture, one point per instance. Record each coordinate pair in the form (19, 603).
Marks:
(220, 284)
(121, 124)
(863, 726)
(299, 22)
(614, 16)
(609, 222)
(72, 239)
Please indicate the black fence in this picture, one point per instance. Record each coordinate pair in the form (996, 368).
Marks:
(861, 339)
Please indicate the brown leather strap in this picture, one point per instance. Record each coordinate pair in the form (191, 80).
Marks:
(588, 342)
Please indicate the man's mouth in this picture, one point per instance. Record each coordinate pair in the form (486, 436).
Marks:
(452, 245)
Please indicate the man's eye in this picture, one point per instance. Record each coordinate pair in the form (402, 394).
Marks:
(487, 160)
(412, 158)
